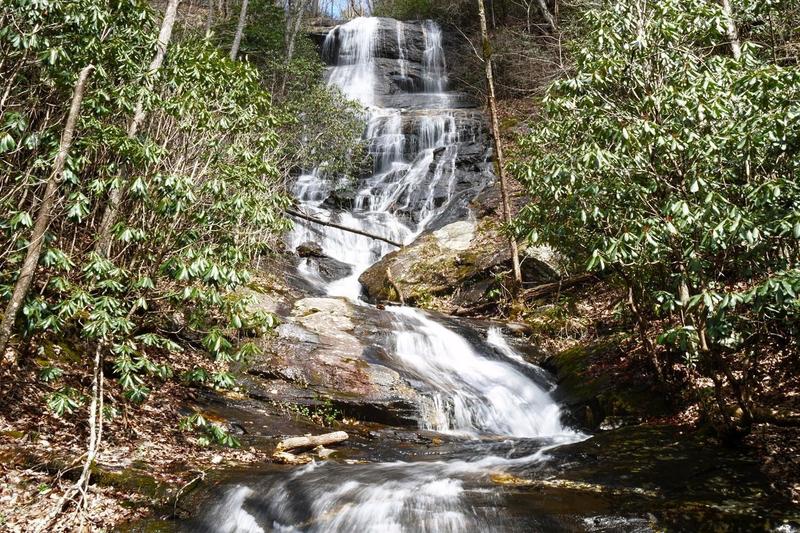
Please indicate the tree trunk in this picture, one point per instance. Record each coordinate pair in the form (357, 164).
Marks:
(103, 246)
(291, 36)
(546, 14)
(498, 147)
(237, 39)
(547, 289)
(719, 363)
(95, 430)
(642, 325)
(45, 213)
(81, 486)
(210, 17)
(733, 34)
(528, 16)
(295, 29)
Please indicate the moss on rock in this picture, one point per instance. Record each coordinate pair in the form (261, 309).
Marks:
(598, 391)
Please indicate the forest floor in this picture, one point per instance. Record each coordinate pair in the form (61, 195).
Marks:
(144, 462)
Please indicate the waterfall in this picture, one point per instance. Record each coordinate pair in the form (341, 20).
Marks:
(483, 457)
(472, 394)
(401, 47)
(473, 390)
(435, 63)
(352, 46)
(415, 153)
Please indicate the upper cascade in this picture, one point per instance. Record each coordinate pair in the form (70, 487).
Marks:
(351, 48)
(429, 162)
(430, 157)
(380, 61)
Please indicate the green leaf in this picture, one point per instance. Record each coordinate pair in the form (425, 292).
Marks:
(50, 373)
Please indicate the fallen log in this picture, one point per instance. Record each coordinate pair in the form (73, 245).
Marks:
(776, 417)
(557, 286)
(286, 458)
(315, 220)
(312, 441)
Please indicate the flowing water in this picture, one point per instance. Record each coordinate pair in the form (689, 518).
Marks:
(467, 392)
(483, 396)
(414, 153)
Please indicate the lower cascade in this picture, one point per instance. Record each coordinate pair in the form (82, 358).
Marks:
(470, 393)
(479, 391)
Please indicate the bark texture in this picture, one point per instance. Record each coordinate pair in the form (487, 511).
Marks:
(498, 147)
(293, 25)
(45, 213)
(303, 216)
(210, 17)
(312, 441)
(237, 38)
(546, 14)
(103, 246)
(733, 33)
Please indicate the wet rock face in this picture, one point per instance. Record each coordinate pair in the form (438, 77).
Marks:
(460, 153)
(326, 267)
(330, 269)
(323, 353)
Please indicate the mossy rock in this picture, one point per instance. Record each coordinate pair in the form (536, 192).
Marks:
(599, 399)
(438, 269)
(60, 352)
(132, 479)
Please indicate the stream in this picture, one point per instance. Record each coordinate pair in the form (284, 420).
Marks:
(503, 437)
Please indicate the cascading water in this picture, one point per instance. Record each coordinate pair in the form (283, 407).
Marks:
(482, 391)
(434, 60)
(353, 50)
(471, 394)
(403, 195)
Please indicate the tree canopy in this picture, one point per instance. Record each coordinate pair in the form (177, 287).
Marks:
(670, 163)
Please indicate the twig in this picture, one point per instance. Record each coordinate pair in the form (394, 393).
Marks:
(199, 477)
(393, 284)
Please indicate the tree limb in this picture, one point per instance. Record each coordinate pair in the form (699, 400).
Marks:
(45, 213)
(309, 218)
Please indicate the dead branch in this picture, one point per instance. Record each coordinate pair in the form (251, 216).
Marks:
(304, 216)
(312, 441)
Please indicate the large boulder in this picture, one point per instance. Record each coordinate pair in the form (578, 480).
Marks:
(328, 268)
(323, 354)
(452, 268)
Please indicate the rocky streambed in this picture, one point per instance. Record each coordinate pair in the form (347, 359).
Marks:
(454, 424)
